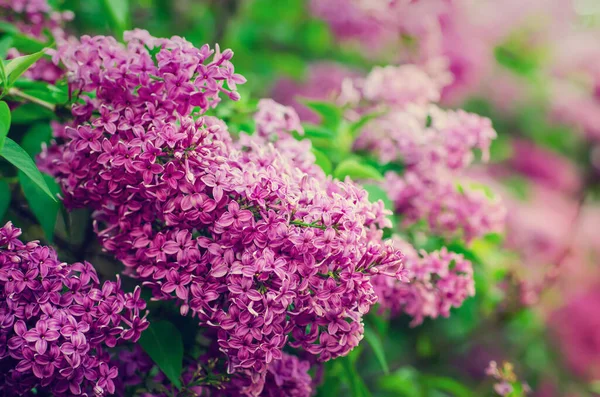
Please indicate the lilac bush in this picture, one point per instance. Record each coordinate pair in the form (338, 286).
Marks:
(59, 323)
(247, 235)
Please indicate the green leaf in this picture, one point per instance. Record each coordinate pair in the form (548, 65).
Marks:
(17, 66)
(331, 114)
(322, 161)
(30, 112)
(355, 381)
(4, 122)
(163, 343)
(374, 341)
(376, 193)
(6, 43)
(18, 157)
(7, 27)
(34, 137)
(403, 383)
(317, 131)
(4, 198)
(43, 207)
(356, 170)
(449, 385)
(357, 126)
(118, 10)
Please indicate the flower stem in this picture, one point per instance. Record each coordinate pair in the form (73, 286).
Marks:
(20, 94)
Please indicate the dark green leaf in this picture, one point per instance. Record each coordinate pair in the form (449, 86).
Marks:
(4, 122)
(4, 198)
(402, 383)
(43, 207)
(355, 382)
(163, 343)
(322, 161)
(17, 66)
(118, 10)
(356, 171)
(372, 337)
(30, 112)
(18, 157)
(34, 137)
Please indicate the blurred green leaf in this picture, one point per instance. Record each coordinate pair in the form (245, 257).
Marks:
(356, 171)
(330, 113)
(17, 66)
(118, 10)
(163, 343)
(402, 383)
(374, 340)
(317, 131)
(4, 198)
(377, 193)
(322, 161)
(43, 207)
(357, 126)
(6, 43)
(446, 384)
(18, 157)
(355, 382)
(4, 122)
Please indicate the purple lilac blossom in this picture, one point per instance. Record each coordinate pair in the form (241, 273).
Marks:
(439, 281)
(57, 322)
(435, 147)
(247, 236)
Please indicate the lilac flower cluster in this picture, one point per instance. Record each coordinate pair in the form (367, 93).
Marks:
(435, 146)
(377, 22)
(439, 281)
(248, 236)
(57, 322)
(33, 18)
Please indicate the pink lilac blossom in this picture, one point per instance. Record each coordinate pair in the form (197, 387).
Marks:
(575, 328)
(255, 242)
(33, 18)
(435, 147)
(57, 322)
(439, 281)
(377, 23)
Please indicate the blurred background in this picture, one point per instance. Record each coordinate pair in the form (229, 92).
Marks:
(533, 68)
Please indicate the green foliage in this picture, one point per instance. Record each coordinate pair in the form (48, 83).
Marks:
(374, 340)
(322, 161)
(118, 12)
(17, 66)
(18, 157)
(356, 170)
(43, 207)
(163, 343)
(5, 198)
(4, 122)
